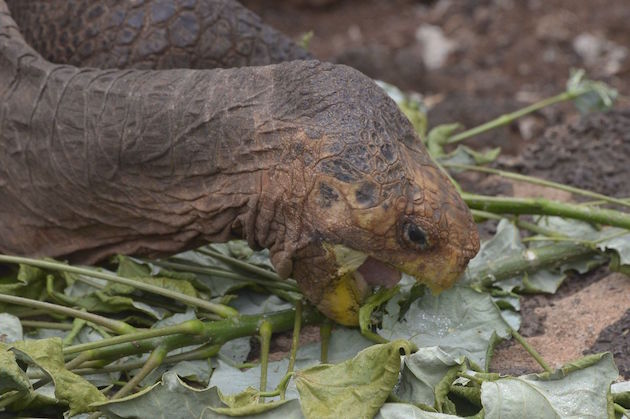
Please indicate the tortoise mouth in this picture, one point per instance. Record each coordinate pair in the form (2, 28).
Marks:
(375, 273)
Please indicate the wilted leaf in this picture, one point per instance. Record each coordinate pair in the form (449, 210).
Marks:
(438, 137)
(422, 374)
(255, 303)
(69, 387)
(194, 371)
(217, 285)
(173, 399)
(594, 96)
(12, 377)
(466, 155)
(612, 239)
(128, 268)
(406, 411)
(621, 393)
(236, 350)
(354, 388)
(344, 344)
(233, 380)
(28, 282)
(578, 389)
(507, 242)
(460, 321)
(10, 328)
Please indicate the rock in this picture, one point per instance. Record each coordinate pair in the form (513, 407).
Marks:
(436, 47)
(600, 54)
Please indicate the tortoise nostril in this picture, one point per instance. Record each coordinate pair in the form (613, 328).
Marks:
(415, 236)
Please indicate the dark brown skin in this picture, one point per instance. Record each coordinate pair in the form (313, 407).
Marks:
(294, 157)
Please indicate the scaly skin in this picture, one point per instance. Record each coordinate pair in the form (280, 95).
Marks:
(295, 157)
(151, 34)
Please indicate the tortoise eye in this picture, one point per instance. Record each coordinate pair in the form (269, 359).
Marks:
(415, 236)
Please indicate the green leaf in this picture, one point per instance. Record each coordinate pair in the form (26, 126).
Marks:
(438, 137)
(248, 404)
(405, 411)
(594, 96)
(28, 282)
(466, 155)
(171, 398)
(578, 389)
(372, 303)
(354, 388)
(69, 387)
(460, 321)
(12, 377)
(128, 268)
(621, 393)
(423, 374)
(198, 371)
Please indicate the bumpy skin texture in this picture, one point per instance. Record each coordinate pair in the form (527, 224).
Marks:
(292, 157)
(151, 34)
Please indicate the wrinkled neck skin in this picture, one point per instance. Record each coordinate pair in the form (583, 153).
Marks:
(97, 162)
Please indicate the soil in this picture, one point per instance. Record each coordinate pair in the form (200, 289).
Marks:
(477, 59)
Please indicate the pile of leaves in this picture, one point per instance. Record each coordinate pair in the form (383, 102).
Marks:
(174, 338)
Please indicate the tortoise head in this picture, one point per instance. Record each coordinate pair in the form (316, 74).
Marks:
(365, 200)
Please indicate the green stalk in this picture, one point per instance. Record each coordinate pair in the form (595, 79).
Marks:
(220, 309)
(530, 260)
(541, 206)
(295, 341)
(114, 325)
(479, 215)
(205, 352)
(77, 325)
(216, 333)
(155, 360)
(265, 332)
(240, 264)
(325, 330)
(190, 327)
(530, 349)
(508, 118)
(204, 270)
(541, 182)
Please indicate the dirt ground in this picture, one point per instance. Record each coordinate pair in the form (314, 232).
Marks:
(473, 60)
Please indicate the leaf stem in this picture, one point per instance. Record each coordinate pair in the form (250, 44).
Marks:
(220, 309)
(240, 264)
(154, 361)
(114, 325)
(508, 118)
(540, 182)
(204, 270)
(542, 206)
(530, 349)
(216, 333)
(265, 331)
(529, 260)
(189, 327)
(295, 341)
(484, 215)
(325, 330)
(77, 325)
